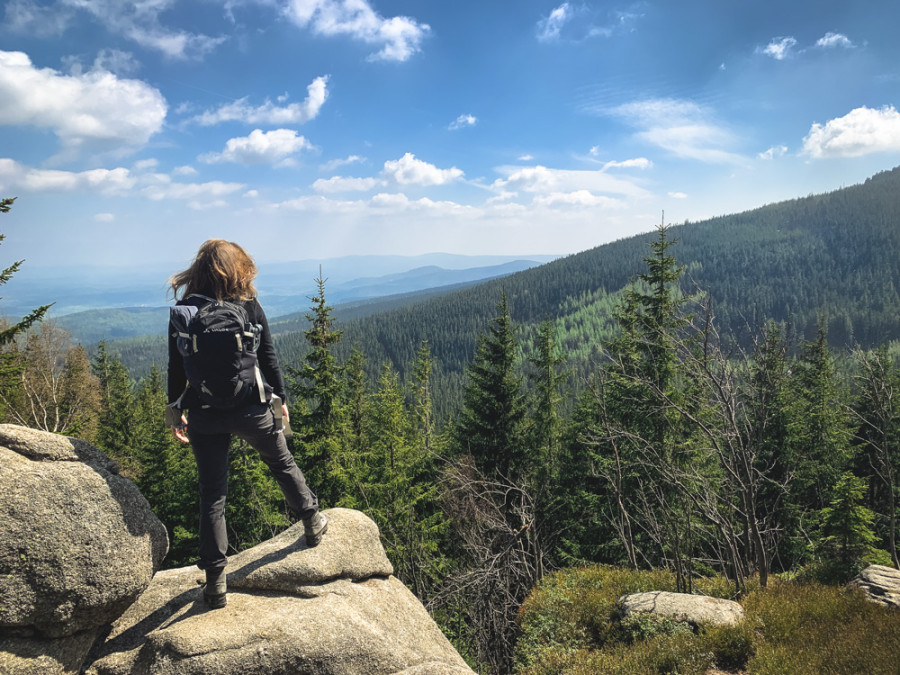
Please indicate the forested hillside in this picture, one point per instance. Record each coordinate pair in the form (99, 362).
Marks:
(833, 255)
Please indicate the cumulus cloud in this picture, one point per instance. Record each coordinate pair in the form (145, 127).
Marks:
(404, 171)
(399, 37)
(94, 111)
(526, 158)
(832, 40)
(773, 152)
(259, 148)
(677, 195)
(862, 131)
(15, 176)
(268, 112)
(463, 121)
(185, 170)
(550, 26)
(681, 127)
(411, 171)
(779, 48)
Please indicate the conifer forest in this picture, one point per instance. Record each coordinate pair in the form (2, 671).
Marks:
(725, 402)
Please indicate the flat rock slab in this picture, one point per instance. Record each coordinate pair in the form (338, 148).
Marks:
(45, 656)
(330, 610)
(78, 542)
(694, 609)
(351, 549)
(881, 584)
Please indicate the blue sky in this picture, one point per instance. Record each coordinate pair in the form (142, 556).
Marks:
(132, 131)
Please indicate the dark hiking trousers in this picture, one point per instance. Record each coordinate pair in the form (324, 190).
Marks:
(210, 432)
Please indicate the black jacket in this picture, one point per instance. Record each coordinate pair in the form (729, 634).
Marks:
(268, 361)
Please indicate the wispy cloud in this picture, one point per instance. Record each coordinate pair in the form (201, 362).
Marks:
(95, 111)
(779, 48)
(399, 37)
(338, 163)
(833, 40)
(550, 26)
(862, 131)
(773, 152)
(268, 112)
(259, 148)
(544, 180)
(135, 21)
(681, 127)
(677, 195)
(463, 121)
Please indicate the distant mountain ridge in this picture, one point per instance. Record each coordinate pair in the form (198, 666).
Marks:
(832, 256)
(360, 295)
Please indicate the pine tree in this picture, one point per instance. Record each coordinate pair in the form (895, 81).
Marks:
(546, 380)
(116, 433)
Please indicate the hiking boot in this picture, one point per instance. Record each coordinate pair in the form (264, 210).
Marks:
(214, 591)
(314, 528)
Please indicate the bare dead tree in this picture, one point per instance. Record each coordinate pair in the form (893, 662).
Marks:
(506, 535)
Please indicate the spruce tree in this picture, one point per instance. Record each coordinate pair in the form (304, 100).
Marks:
(492, 422)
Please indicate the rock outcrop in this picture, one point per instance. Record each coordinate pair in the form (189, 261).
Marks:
(78, 542)
(291, 609)
(881, 584)
(79, 547)
(693, 609)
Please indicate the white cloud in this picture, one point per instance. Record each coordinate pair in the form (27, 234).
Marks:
(251, 194)
(681, 127)
(579, 198)
(116, 61)
(677, 195)
(185, 170)
(340, 184)
(139, 22)
(15, 176)
(268, 112)
(542, 180)
(636, 163)
(94, 111)
(832, 40)
(411, 171)
(259, 148)
(161, 187)
(550, 26)
(862, 131)
(773, 152)
(526, 158)
(337, 163)
(146, 164)
(399, 37)
(104, 217)
(21, 16)
(463, 121)
(779, 48)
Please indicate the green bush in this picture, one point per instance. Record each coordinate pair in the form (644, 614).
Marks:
(570, 626)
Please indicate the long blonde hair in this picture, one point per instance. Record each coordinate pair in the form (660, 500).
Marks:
(221, 270)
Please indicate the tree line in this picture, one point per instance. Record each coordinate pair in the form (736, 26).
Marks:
(682, 448)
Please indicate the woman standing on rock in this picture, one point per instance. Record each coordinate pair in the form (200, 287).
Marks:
(223, 370)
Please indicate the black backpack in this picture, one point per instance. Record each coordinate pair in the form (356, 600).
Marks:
(218, 344)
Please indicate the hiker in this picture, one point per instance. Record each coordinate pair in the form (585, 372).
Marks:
(223, 370)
